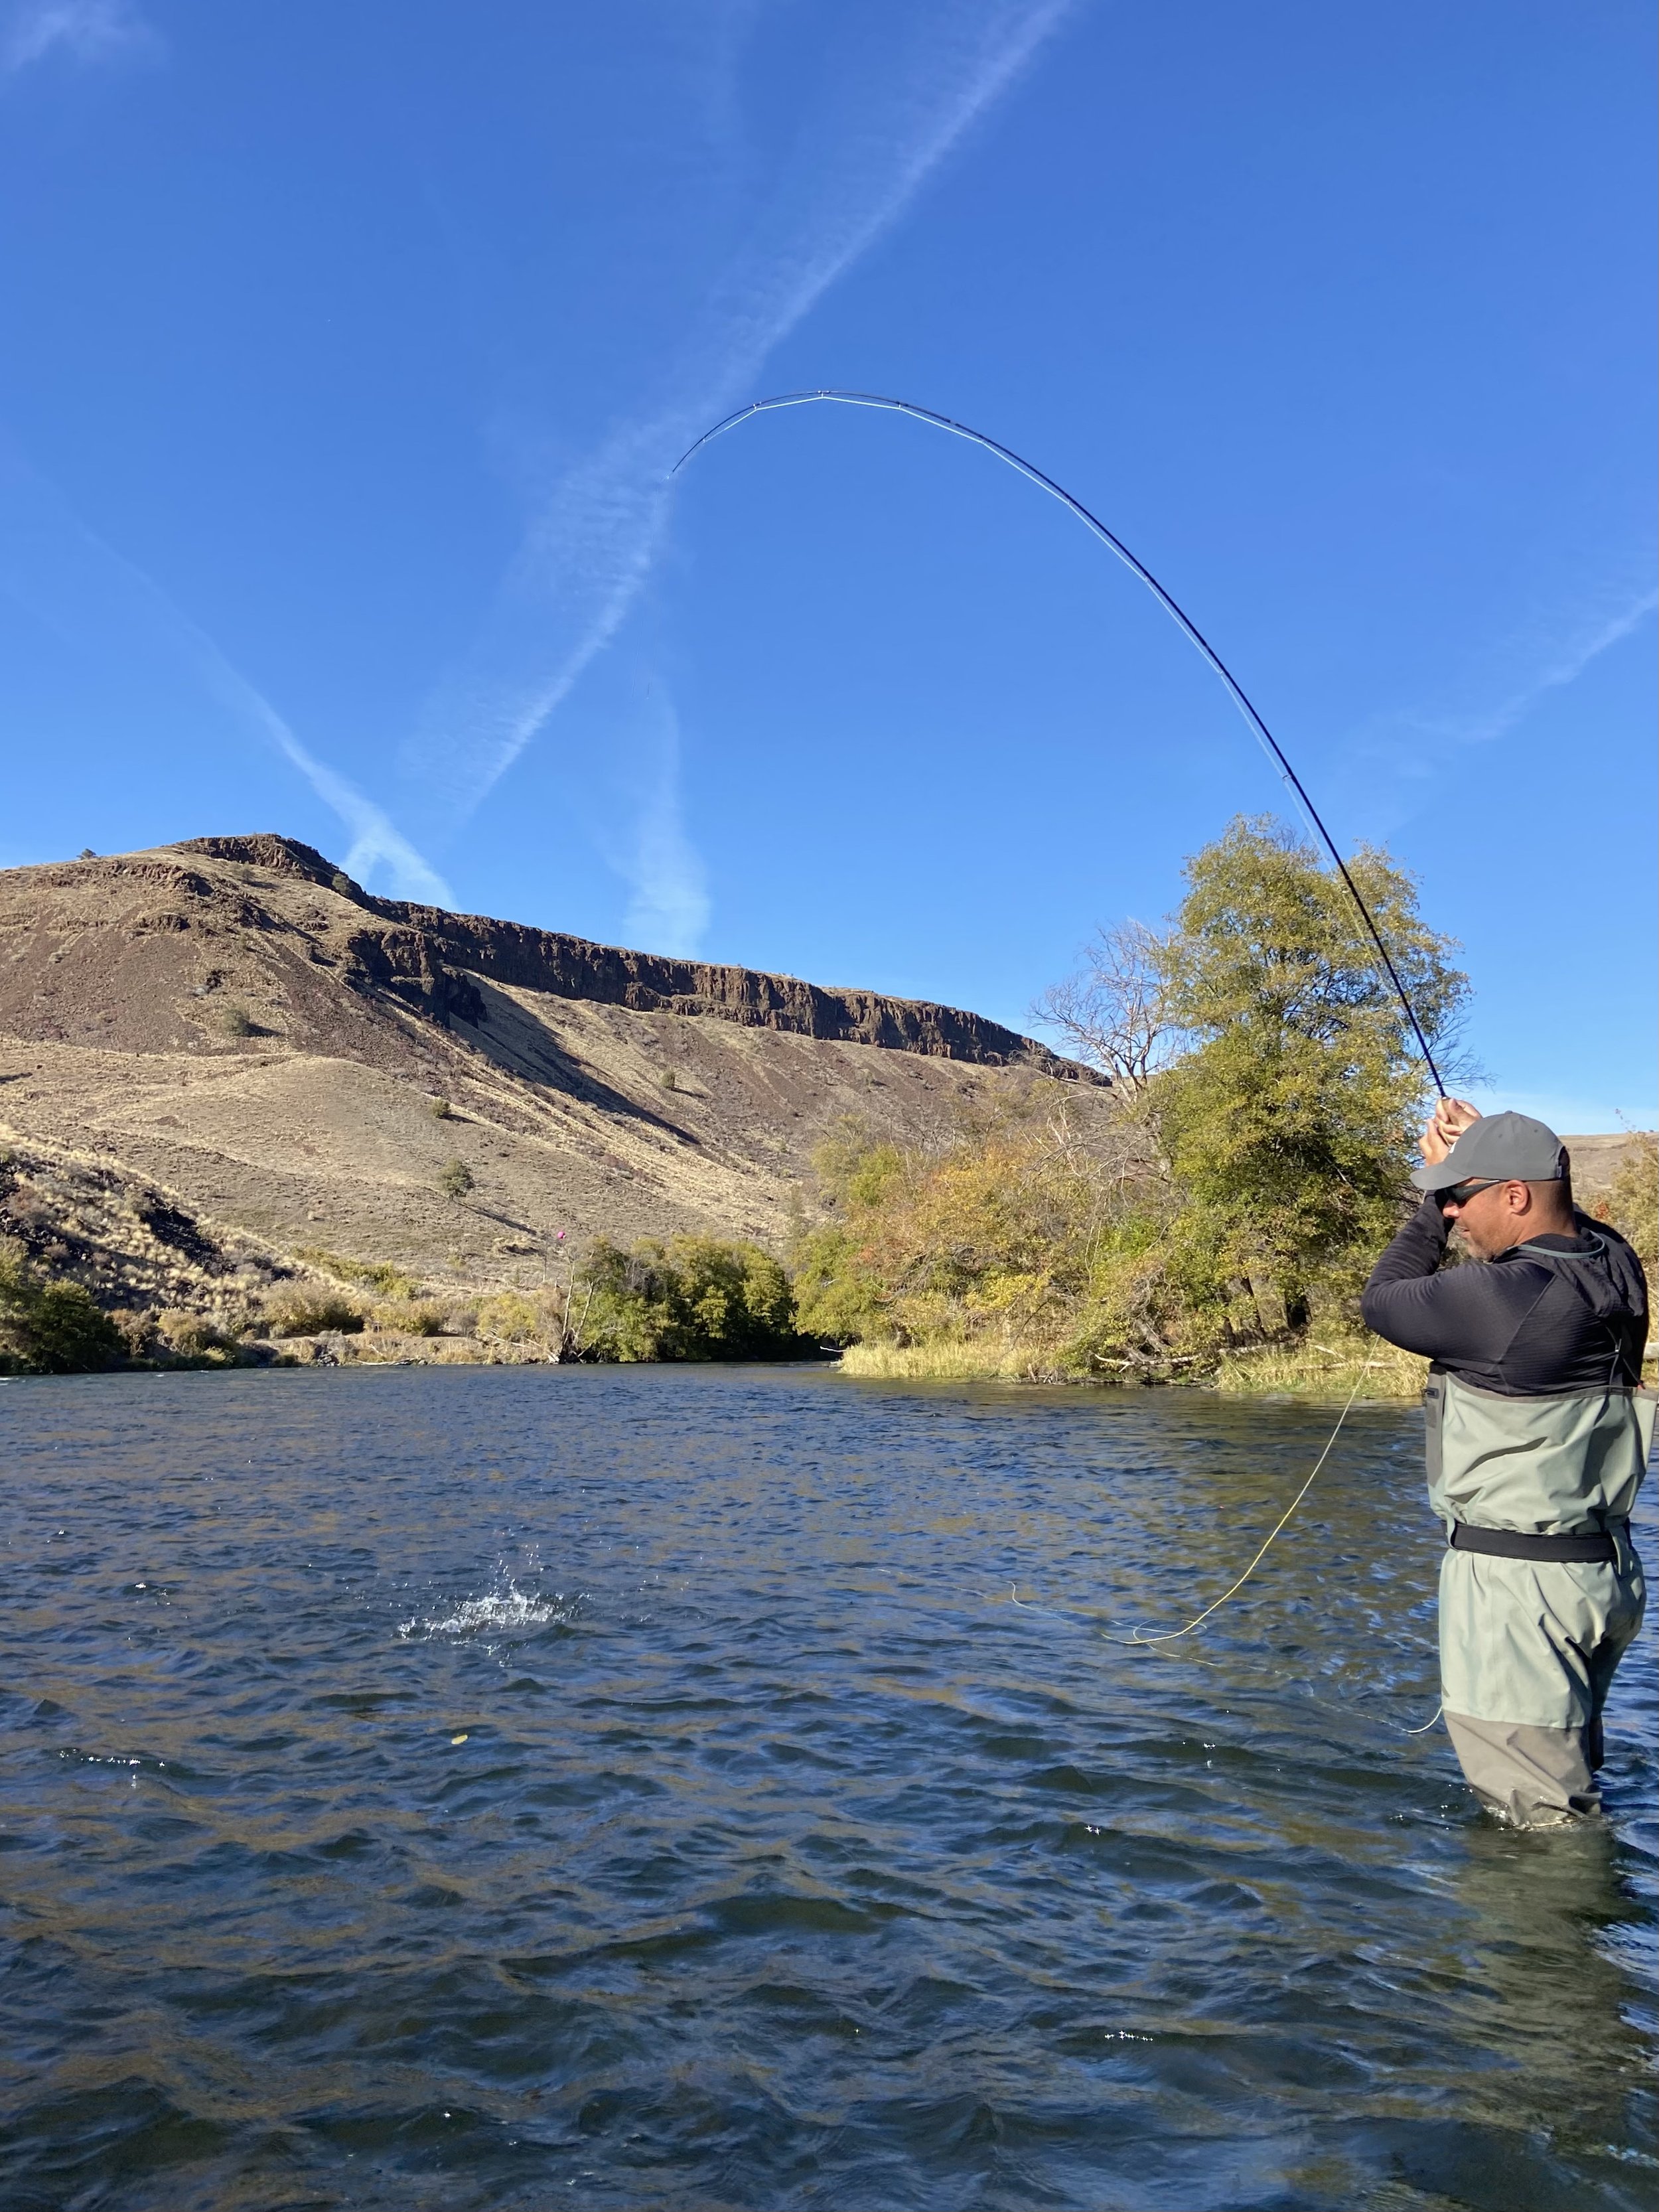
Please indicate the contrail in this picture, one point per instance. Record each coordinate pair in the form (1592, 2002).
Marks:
(587, 555)
(85, 31)
(669, 909)
(85, 592)
(1564, 667)
(373, 835)
(1393, 756)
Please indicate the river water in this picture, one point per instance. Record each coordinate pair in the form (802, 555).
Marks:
(697, 1788)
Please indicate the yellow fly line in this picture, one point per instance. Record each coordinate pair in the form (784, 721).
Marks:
(1147, 1640)
(1169, 1636)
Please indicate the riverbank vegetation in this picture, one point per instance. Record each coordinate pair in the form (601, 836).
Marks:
(1631, 1202)
(694, 1297)
(49, 1326)
(1270, 1093)
(1214, 1229)
(687, 1298)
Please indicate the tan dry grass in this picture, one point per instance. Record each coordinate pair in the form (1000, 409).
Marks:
(979, 1361)
(1328, 1368)
(386, 1350)
(934, 1363)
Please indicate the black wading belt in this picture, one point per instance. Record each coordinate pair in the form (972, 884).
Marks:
(1510, 1544)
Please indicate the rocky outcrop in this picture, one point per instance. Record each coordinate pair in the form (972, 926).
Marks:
(242, 1032)
(418, 958)
(407, 963)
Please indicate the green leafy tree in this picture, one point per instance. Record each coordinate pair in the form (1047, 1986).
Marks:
(843, 1289)
(1268, 1088)
(1287, 1120)
(50, 1328)
(693, 1297)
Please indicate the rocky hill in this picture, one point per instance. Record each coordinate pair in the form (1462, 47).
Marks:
(233, 1039)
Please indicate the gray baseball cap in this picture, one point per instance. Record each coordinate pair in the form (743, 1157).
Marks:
(1498, 1148)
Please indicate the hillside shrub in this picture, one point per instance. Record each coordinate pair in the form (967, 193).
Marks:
(309, 1310)
(194, 1336)
(456, 1179)
(136, 1327)
(522, 1317)
(411, 1317)
(50, 1328)
(378, 1275)
(693, 1297)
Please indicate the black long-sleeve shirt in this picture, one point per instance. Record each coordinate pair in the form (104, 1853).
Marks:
(1522, 1325)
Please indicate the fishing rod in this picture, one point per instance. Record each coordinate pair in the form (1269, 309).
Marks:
(1184, 621)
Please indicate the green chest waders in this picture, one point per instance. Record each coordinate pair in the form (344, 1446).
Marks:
(1540, 1591)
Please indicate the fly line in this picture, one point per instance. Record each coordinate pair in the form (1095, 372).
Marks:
(1178, 614)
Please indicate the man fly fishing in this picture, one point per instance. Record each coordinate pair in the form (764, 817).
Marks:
(1538, 1439)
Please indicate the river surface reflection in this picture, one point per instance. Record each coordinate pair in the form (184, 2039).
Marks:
(699, 1787)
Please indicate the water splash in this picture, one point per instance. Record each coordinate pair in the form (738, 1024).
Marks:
(507, 1607)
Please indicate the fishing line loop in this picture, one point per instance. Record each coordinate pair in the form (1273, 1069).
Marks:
(1142, 1639)
(1171, 1635)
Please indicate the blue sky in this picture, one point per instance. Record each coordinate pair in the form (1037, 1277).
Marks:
(347, 348)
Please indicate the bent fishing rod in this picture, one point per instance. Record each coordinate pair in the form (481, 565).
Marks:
(1183, 622)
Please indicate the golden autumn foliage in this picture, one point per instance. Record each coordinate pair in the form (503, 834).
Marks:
(1631, 1201)
(1270, 1092)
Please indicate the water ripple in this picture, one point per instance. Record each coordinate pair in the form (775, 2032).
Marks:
(492, 1788)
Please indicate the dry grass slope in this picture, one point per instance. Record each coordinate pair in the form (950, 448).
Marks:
(235, 1031)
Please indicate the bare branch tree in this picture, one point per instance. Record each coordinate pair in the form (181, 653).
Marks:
(1116, 1014)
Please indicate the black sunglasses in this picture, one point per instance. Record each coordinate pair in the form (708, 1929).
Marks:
(1460, 1194)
